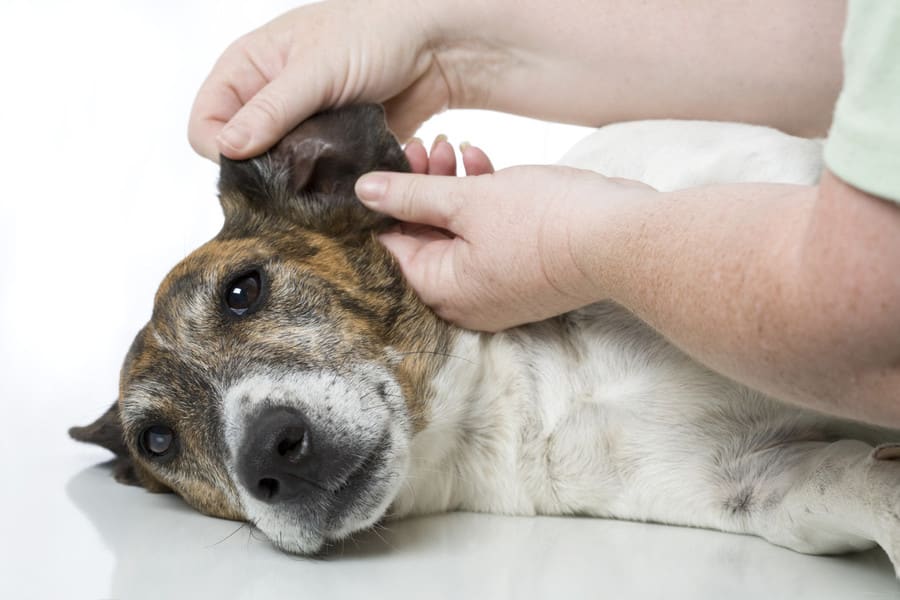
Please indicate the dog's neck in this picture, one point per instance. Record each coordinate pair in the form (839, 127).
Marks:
(497, 398)
(478, 413)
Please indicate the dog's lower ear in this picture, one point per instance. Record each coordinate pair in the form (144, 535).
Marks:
(125, 472)
(308, 177)
(106, 431)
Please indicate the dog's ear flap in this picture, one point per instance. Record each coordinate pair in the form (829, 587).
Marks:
(308, 177)
(106, 431)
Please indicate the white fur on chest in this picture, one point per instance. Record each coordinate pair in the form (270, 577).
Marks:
(559, 419)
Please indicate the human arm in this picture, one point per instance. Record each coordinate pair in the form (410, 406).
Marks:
(789, 289)
(591, 63)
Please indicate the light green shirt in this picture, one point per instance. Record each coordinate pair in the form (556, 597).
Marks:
(863, 146)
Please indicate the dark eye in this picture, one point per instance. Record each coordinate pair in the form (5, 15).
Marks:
(242, 293)
(157, 440)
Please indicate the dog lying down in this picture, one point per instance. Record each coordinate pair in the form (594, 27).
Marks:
(289, 377)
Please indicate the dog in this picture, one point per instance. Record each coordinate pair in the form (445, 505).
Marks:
(290, 378)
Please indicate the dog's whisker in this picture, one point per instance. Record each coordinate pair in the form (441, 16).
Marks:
(436, 353)
(227, 537)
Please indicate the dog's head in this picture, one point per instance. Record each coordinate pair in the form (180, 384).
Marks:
(284, 369)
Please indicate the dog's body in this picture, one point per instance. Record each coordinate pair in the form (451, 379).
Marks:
(327, 396)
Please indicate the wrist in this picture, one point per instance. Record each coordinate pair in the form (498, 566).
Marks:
(462, 40)
(605, 235)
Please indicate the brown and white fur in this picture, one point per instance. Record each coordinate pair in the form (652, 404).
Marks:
(338, 399)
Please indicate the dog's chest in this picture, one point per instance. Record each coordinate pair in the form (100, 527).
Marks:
(550, 418)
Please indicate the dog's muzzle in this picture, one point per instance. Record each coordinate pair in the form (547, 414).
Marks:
(284, 459)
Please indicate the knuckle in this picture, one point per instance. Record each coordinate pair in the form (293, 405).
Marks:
(454, 203)
(410, 193)
(241, 45)
(404, 191)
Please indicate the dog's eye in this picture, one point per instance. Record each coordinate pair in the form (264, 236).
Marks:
(242, 293)
(157, 440)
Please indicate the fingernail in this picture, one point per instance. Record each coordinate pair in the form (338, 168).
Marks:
(414, 140)
(235, 136)
(463, 146)
(438, 140)
(371, 188)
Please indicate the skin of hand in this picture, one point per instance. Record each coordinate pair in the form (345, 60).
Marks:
(776, 63)
(314, 57)
(791, 290)
(488, 251)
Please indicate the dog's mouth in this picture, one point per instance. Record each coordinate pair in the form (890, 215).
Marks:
(355, 494)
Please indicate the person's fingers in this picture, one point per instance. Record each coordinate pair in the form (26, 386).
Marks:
(271, 113)
(475, 161)
(631, 183)
(423, 232)
(202, 133)
(421, 100)
(428, 199)
(442, 160)
(426, 263)
(417, 156)
(215, 104)
(240, 73)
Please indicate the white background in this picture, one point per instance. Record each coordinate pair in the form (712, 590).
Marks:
(100, 195)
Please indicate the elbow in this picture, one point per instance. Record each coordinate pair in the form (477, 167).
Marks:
(849, 289)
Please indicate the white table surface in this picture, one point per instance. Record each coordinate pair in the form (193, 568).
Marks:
(69, 531)
(100, 196)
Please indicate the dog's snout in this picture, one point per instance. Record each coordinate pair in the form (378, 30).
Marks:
(271, 464)
(282, 457)
(293, 443)
(292, 446)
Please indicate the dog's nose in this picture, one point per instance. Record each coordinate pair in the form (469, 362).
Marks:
(280, 458)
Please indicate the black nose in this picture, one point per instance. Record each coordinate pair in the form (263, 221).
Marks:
(282, 458)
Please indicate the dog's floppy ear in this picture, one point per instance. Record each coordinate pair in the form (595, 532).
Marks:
(308, 177)
(106, 431)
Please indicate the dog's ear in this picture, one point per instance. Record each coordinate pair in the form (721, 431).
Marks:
(308, 177)
(106, 431)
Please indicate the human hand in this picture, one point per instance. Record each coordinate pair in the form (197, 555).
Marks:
(495, 250)
(315, 57)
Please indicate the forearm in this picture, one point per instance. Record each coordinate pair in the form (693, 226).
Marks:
(766, 62)
(790, 290)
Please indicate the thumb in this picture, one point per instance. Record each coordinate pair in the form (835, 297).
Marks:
(428, 199)
(267, 117)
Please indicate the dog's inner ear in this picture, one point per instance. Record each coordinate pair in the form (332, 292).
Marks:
(107, 431)
(308, 177)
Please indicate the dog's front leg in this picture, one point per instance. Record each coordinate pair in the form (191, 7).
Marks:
(830, 497)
